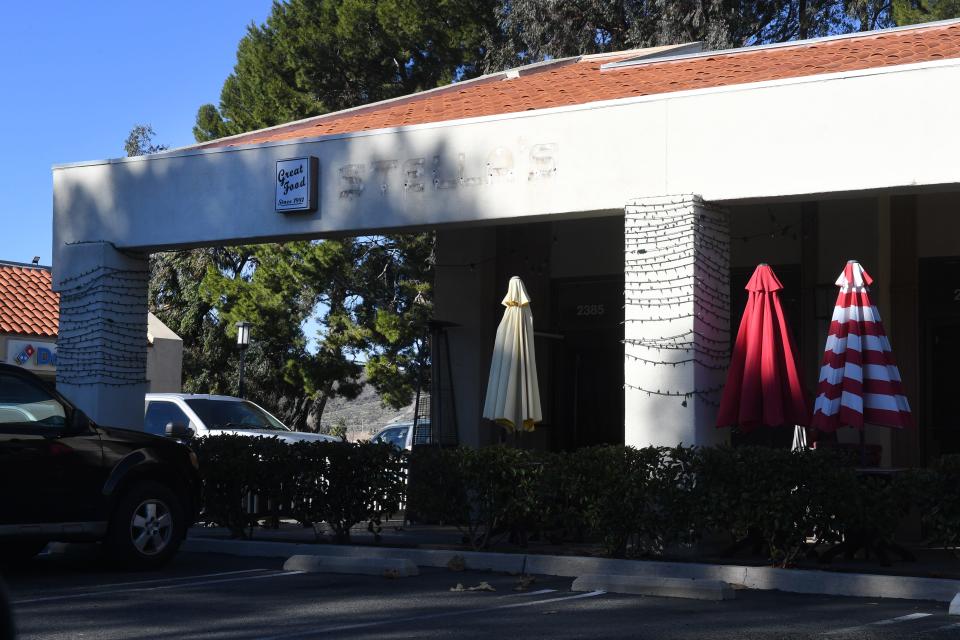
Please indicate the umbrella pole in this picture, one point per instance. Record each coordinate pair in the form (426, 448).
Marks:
(863, 446)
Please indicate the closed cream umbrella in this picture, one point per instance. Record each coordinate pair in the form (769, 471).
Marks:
(513, 396)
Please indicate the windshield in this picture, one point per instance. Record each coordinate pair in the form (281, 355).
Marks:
(232, 414)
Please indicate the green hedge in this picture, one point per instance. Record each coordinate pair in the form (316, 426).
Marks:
(633, 502)
(642, 502)
(937, 493)
(337, 483)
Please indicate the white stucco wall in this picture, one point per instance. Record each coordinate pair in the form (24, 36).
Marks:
(764, 140)
(164, 358)
(767, 141)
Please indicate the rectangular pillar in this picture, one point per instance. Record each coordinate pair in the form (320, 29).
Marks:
(677, 316)
(102, 340)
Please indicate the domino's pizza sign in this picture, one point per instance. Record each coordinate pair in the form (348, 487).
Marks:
(297, 185)
(36, 356)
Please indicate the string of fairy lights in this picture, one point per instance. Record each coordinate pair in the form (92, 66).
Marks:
(677, 301)
(103, 327)
(676, 297)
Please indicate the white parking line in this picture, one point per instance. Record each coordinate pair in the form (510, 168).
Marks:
(880, 623)
(429, 616)
(532, 593)
(911, 616)
(170, 579)
(179, 585)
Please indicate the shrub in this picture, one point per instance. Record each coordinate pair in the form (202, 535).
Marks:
(435, 490)
(938, 493)
(364, 483)
(773, 496)
(636, 500)
(484, 492)
(228, 470)
(339, 483)
(560, 501)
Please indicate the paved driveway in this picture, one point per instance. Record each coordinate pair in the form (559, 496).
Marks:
(208, 596)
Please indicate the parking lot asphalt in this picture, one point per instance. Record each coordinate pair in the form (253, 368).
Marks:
(71, 595)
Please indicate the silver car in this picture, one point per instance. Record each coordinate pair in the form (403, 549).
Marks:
(401, 434)
(213, 415)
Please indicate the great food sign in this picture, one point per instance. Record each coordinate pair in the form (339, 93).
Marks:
(297, 185)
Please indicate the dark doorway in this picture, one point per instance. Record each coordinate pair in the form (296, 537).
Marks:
(940, 317)
(588, 394)
(942, 433)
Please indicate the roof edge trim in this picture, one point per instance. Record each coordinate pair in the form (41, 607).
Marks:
(599, 104)
(399, 100)
(25, 265)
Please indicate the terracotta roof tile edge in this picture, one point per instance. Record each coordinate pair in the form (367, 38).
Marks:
(799, 44)
(593, 104)
(521, 71)
(399, 100)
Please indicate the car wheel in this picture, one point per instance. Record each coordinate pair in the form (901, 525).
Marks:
(147, 527)
(19, 552)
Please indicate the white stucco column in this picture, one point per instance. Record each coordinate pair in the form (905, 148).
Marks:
(102, 341)
(677, 309)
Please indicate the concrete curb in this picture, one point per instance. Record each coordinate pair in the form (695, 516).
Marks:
(386, 567)
(763, 578)
(656, 586)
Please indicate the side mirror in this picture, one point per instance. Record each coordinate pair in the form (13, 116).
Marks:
(178, 431)
(79, 421)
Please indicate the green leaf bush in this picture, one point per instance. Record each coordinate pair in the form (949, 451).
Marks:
(938, 493)
(487, 493)
(341, 484)
(633, 502)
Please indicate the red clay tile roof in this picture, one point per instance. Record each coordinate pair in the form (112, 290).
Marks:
(28, 305)
(583, 81)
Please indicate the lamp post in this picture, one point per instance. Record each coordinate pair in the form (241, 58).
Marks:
(243, 341)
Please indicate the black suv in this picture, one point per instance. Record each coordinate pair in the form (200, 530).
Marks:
(64, 478)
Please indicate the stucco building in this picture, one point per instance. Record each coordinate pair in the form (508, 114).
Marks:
(29, 324)
(633, 192)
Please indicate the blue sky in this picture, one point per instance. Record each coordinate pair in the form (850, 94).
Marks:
(77, 76)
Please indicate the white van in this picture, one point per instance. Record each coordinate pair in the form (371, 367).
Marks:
(209, 415)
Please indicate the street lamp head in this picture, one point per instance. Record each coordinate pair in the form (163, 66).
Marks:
(243, 334)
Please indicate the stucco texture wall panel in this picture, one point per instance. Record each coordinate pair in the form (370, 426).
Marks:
(830, 135)
(600, 160)
(820, 136)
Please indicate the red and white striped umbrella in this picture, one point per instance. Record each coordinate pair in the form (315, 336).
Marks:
(859, 380)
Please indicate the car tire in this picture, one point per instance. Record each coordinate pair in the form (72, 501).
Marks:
(18, 553)
(147, 527)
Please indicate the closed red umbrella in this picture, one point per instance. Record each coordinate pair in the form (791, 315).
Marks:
(859, 380)
(763, 383)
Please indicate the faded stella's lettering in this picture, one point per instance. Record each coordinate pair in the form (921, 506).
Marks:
(501, 165)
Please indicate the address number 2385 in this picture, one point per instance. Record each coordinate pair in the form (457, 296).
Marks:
(590, 310)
